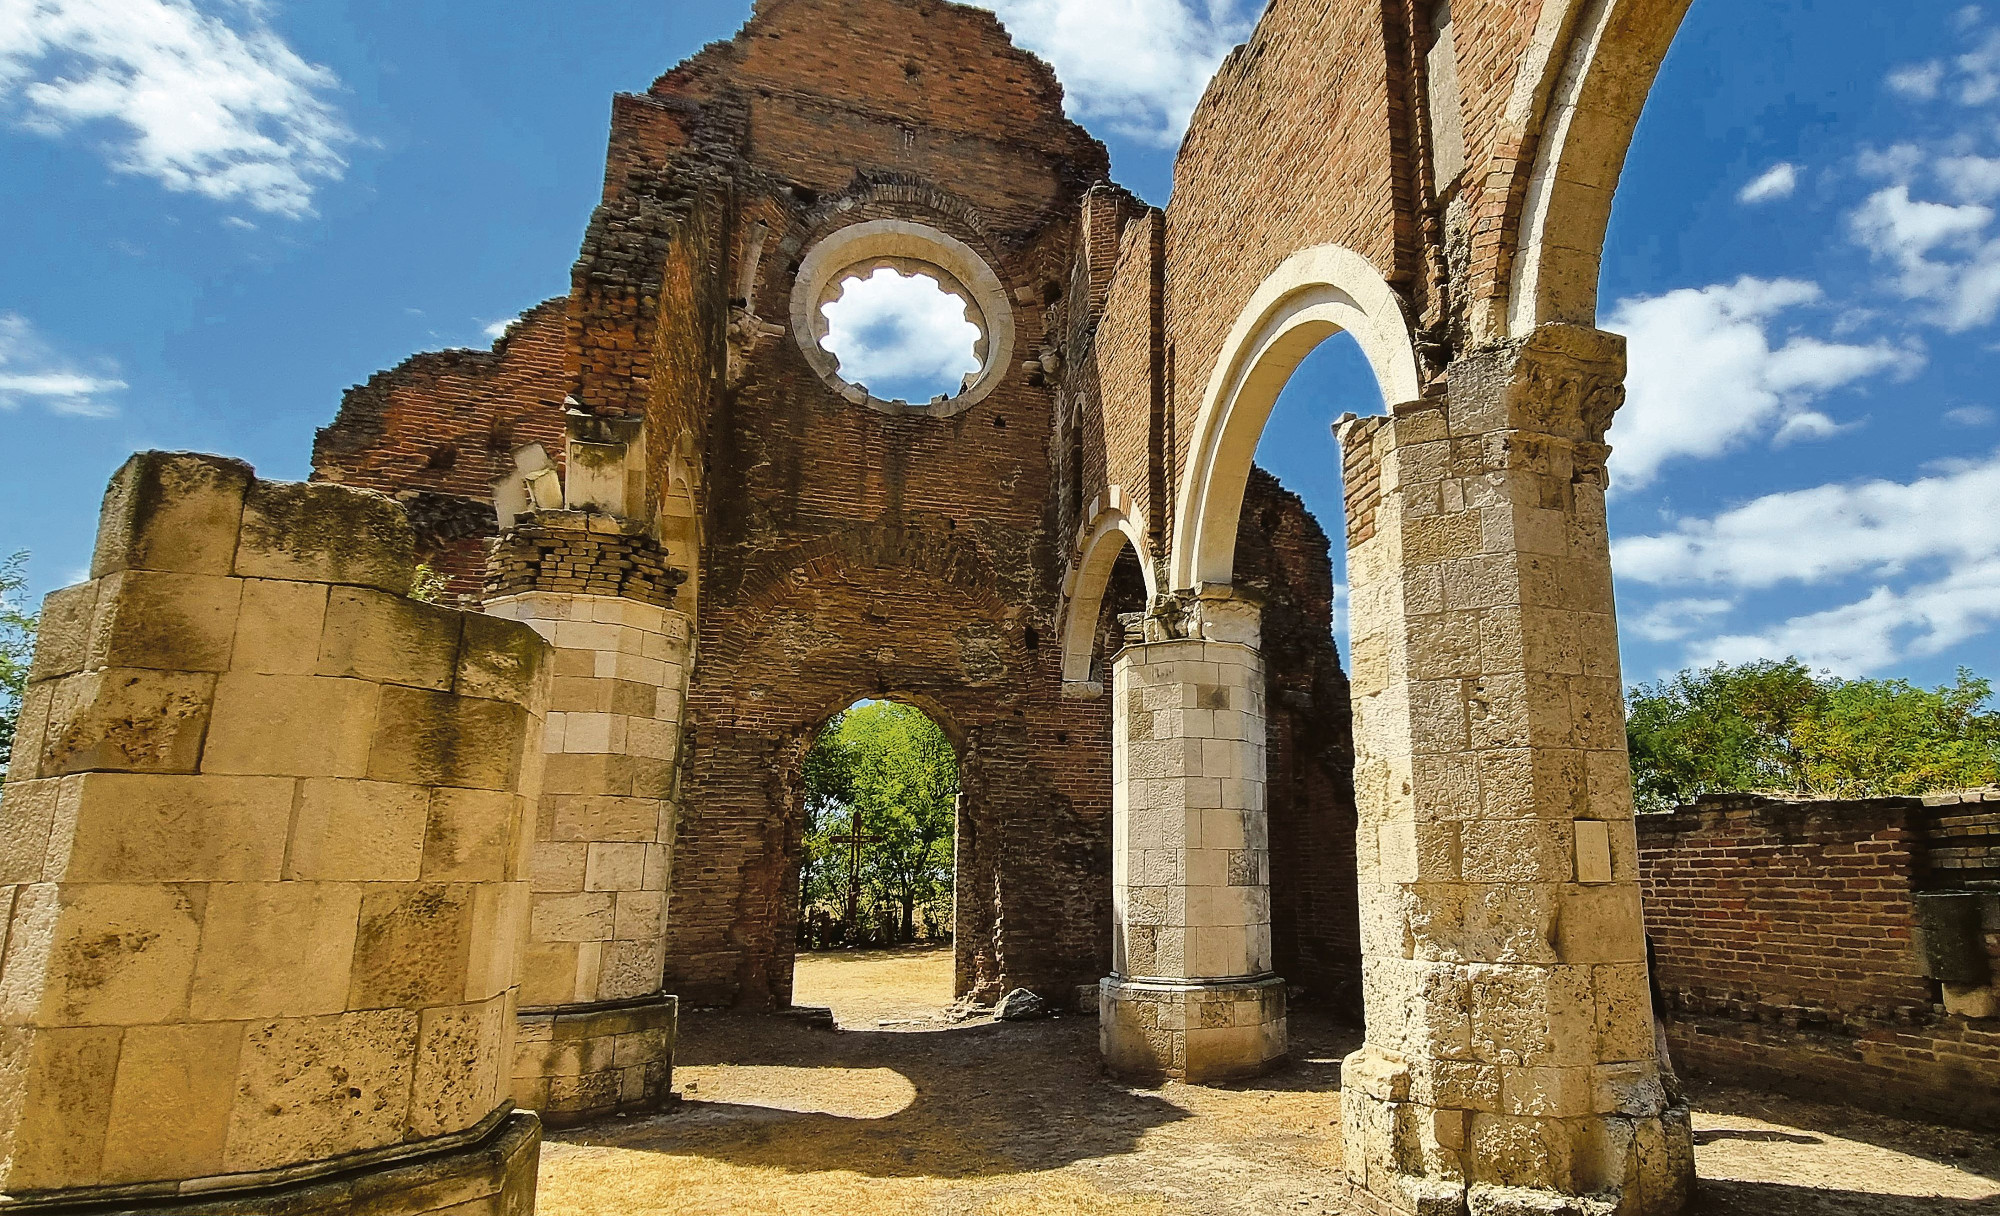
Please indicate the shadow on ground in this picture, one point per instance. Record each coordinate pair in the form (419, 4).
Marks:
(905, 1112)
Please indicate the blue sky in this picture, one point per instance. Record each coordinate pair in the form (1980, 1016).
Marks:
(220, 213)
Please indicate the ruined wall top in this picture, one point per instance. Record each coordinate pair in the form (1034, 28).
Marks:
(836, 88)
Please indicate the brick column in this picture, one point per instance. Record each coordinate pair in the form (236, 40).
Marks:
(596, 1031)
(1509, 1062)
(263, 853)
(1191, 995)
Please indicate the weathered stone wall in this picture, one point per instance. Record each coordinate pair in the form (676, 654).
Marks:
(1789, 947)
(265, 842)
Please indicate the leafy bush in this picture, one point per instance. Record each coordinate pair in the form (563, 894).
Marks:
(17, 647)
(1776, 726)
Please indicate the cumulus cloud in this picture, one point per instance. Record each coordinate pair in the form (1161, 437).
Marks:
(1832, 531)
(1706, 376)
(497, 330)
(902, 336)
(1919, 80)
(1969, 415)
(31, 371)
(1879, 632)
(1134, 67)
(1672, 620)
(208, 100)
(1776, 182)
(1932, 547)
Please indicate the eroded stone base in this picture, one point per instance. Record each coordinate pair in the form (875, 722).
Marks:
(1624, 1158)
(585, 1062)
(1152, 1030)
(490, 1172)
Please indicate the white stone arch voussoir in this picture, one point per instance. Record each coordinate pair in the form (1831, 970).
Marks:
(1314, 294)
(1111, 523)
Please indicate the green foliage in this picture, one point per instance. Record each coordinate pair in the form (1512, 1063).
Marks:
(1888, 737)
(17, 647)
(893, 765)
(429, 585)
(1775, 726)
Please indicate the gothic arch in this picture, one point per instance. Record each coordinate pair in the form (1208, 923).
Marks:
(1111, 522)
(1577, 101)
(1313, 295)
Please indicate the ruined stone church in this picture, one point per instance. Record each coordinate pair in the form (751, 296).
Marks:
(325, 898)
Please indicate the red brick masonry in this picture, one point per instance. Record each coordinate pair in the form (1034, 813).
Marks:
(1790, 953)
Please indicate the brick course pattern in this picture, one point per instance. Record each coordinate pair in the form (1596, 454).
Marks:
(1786, 938)
(561, 552)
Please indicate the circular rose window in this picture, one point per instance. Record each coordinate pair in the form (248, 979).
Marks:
(902, 318)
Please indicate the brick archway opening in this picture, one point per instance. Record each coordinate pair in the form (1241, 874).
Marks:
(877, 795)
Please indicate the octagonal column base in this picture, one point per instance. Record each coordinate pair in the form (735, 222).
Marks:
(1190, 1030)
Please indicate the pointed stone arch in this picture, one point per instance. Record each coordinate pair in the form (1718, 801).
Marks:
(1112, 521)
(1313, 295)
(1577, 101)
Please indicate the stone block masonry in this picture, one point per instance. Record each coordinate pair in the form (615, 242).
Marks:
(1510, 1062)
(596, 1031)
(1797, 947)
(1191, 995)
(265, 849)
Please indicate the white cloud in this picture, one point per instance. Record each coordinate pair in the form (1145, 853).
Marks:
(1134, 67)
(1969, 415)
(1705, 376)
(1776, 182)
(1672, 620)
(1878, 632)
(901, 335)
(1919, 80)
(211, 100)
(30, 371)
(1971, 179)
(1941, 253)
(497, 330)
(1933, 544)
(1875, 528)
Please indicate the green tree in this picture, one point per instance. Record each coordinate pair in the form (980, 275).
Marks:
(17, 647)
(1718, 729)
(1877, 737)
(892, 764)
(1775, 726)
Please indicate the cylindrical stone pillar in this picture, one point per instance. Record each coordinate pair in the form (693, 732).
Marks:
(1191, 995)
(263, 852)
(1509, 1065)
(596, 1033)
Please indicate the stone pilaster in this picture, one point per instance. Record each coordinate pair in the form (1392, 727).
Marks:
(1509, 1063)
(596, 1032)
(1191, 995)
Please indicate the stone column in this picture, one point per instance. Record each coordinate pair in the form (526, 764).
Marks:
(1509, 1062)
(263, 853)
(1191, 995)
(596, 1031)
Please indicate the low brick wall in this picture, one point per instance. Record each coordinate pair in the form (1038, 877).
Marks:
(1789, 946)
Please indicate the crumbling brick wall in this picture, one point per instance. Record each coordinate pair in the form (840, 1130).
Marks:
(1786, 938)
(439, 429)
(850, 553)
(1282, 553)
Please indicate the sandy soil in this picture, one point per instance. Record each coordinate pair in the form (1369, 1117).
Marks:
(905, 1110)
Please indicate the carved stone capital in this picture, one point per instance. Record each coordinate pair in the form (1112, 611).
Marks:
(1565, 381)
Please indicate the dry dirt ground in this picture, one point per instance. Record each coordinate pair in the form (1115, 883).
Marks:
(904, 1110)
